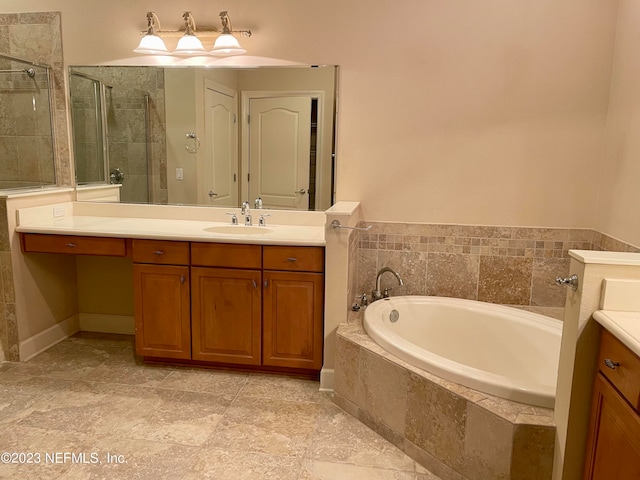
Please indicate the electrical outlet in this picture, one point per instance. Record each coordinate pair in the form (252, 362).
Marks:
(179, 174)
(58, 211)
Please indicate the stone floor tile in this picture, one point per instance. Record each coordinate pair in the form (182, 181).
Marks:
(265, 425)
(341, 438)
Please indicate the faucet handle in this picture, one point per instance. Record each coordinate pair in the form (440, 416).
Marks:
(262, 222)
(234, 218)
(364, 301)
(385, 293)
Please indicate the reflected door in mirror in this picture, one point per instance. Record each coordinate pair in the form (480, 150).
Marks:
(221, 162)
(279, 151)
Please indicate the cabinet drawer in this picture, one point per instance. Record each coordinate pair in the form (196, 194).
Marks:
(162, 252)
(625, 376)
(226, 255)
(77, 245)
(298, 259)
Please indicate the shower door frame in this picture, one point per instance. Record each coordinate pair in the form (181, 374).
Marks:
(52, 123)
(105, 131)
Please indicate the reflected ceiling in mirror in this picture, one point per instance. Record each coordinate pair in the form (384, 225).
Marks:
(205, 136)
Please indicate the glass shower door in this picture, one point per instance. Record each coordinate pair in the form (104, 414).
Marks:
(110, 135)
(88, 130)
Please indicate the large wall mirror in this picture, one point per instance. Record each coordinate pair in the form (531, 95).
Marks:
(205, 136)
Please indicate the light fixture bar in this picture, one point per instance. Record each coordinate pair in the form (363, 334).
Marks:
(189, 43)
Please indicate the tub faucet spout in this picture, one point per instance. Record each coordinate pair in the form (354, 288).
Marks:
(376, 295)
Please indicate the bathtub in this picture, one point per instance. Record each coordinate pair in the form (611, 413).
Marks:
(502, 351)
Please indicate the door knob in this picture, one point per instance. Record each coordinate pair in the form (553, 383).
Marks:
(302, 191)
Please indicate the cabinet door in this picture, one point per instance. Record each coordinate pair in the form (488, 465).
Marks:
(614, 437)
(226, 315)
(161, 298)
(292, 319)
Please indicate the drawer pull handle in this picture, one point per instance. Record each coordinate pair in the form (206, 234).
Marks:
(292, 259)
(266, 284)
(255, 285)
(158, 252)
(611, 364)
(71, 245)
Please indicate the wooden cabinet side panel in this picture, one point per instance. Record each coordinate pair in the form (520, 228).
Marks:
(613, 447)
(162, 311)
(226, 320)
(292, 319)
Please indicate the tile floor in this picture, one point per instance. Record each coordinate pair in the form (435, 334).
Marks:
(87, 409)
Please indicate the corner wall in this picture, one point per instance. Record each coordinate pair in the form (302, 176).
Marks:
(617, 210)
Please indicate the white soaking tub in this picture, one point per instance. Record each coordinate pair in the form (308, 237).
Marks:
(503, 351)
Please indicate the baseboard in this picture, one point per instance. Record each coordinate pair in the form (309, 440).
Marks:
(31, 347)
(326, 379)
(97, 322)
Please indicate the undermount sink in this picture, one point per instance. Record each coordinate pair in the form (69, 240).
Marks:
(238, 230)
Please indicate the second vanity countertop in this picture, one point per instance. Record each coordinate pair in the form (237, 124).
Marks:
(113, 221)
(625, 326)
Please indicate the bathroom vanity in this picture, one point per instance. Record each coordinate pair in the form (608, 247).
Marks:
(243, 300)
(613, 447)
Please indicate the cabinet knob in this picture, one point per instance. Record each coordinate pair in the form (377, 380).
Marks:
(611, 364)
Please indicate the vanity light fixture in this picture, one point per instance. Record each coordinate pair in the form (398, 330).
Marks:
(189, 44)
(151, 43)
(226, 44)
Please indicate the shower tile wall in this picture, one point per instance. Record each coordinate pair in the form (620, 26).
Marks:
(126, 124)
(505, 265)
(8, 323)
(36, 37)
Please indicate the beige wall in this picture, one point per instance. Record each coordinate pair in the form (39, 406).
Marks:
(617, 212)
(486, 112)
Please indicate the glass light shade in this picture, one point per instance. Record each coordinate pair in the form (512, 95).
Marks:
(153, 45)
(189, 45)
(227, 44)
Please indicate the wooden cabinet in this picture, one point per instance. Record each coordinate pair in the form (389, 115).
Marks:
(162, 308)
(266, 310)
(613, 446)
(292, 320)
(293, 307)
(233, 304)
(226, 315)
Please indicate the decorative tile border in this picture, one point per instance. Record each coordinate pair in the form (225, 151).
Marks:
(506, 265)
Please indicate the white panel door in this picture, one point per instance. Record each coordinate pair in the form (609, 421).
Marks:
(220, 179)
(279, 151)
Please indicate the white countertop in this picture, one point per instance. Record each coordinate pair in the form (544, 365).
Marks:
(171, 229)
(625, 326)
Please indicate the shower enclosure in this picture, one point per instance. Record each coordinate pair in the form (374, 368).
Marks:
(26, 132)
(111, 136)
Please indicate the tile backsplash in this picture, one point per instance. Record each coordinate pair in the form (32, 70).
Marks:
(505, 265)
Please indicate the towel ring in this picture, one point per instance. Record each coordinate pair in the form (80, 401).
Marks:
(196, 143)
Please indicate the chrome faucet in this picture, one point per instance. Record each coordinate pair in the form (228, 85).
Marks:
(257, 203)
(247, 214)
(376, 294)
